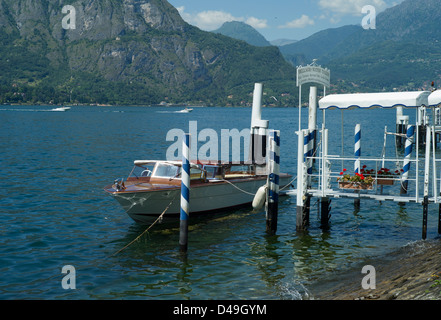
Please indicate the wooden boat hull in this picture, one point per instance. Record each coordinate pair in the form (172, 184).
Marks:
(206, 197)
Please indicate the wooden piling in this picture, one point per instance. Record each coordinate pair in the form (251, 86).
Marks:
(324, 213)
(439, 217)
(357, 204)
(425, 211)
(306, 210)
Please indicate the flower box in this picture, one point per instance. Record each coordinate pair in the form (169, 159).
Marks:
(385, 181)
(355, 185)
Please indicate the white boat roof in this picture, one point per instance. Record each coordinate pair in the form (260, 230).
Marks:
(171, 162)
(375, 100)
(435, 98)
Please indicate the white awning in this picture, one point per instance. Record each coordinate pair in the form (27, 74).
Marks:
(435, 98)
(375, 100)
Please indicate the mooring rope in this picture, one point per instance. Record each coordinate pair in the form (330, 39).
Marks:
(146, 230)
(251, 194)
(289, 184)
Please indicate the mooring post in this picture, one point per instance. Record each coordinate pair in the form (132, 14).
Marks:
(426, 181)
(301, 218)
(398, 127)
(422, 122)
(357, 154)
(259, 128)
(312, 120)
(425, 211)
(407, 153)
(439, 217)
(185, 194)
(325, 201)
(357, 148)
(401, 125)
(308, 152)
(324, 213)
(273, 179)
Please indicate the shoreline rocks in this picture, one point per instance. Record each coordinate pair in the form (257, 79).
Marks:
(411, 273)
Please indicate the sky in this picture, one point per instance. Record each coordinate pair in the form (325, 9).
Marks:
(279, 19)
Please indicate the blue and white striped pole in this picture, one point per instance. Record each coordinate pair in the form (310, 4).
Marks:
(357, 148)
(407, 153)
(302, 209)
(273, 179)
(307, 150)
(185, 194)
(311, 144)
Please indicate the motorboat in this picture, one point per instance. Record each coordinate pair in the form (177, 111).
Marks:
(186, 110)
(154, 186)
(61, 109)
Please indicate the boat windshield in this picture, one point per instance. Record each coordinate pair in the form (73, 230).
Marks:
(240, 169)
(166, 170)
(144, 170)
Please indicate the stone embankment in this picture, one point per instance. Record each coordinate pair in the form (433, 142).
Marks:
(411, 273)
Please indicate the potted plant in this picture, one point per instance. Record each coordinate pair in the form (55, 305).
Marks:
(357, 182)
(384, 176)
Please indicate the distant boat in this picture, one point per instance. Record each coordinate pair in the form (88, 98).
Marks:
(186, 110)
(61, 109)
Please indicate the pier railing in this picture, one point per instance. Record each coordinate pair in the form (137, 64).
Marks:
(415, 173)
(334, 170)
(398, 178)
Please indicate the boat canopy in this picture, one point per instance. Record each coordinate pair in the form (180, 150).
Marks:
(435, 98)
(375, 100)
(144, 162)
(152, 162)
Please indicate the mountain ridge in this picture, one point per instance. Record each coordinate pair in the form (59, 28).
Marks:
(242, 31)
(402, 53)
(129, 52)
(405, 48)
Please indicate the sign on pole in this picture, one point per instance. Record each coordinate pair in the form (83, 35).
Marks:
(311, 73)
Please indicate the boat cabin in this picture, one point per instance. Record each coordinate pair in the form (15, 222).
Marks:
(171, 170)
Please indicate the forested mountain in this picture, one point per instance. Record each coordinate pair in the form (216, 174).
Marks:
(125, 52)
(242, 31)
(402, 53)
(317, 46)
(142, 52)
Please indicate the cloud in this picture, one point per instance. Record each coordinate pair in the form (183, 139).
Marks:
(213, 19)
(257, 23)
(299, 23)
(351, 7)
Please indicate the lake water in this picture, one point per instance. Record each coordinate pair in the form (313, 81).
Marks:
(54, 212)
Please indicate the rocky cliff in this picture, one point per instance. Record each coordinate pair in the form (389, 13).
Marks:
(139, 49)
